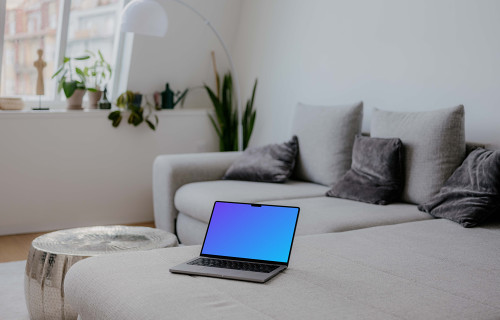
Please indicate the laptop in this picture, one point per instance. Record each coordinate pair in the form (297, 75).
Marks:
(245, 241)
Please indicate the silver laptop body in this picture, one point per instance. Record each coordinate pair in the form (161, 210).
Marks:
(245, 241)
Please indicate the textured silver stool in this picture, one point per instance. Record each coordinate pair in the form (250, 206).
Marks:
(52, 254)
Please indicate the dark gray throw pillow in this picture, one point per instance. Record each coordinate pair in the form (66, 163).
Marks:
(376, 174)
(472, 193)
(270, 163)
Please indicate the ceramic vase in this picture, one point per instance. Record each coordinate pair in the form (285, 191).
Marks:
(75, 101)
(94, 97)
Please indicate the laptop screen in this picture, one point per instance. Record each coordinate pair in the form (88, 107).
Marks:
(258, 232)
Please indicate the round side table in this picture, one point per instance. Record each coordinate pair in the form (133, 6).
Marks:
(51, 255)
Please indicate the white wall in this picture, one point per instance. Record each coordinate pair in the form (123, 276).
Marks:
(61, 170)
(182, 57)
(403, 55)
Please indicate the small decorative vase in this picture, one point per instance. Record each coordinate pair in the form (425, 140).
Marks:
(94, 97)
(75, 101)
(104, 102)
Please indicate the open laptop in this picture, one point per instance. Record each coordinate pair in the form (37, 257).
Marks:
(245, 241)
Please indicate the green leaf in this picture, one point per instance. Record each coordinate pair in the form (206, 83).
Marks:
(57, 72)
(117, 121)
(80, 73)
(92, 89)
(82, 57)
(114, 115)
(69, 88)
(66, 59)
(60, 85)
(219, 134)
(150, 125)
(100, 55)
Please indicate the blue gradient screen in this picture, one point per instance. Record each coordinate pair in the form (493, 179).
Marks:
(242, 231)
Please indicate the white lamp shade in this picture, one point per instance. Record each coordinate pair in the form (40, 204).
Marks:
(146, 17)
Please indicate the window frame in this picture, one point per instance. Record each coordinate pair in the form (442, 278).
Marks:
(121, 51)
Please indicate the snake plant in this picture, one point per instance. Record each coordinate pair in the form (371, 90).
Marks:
(225, 122)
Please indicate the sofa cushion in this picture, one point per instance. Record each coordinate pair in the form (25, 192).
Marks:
(326, 214)
(434, 146)
(197, 199)
(472, 194)
(326, 135)
(269, 163)
(376, 174)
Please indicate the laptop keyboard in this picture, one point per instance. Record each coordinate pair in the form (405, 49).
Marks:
(235, 265)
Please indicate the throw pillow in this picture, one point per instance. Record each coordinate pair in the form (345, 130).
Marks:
(376, 174)
(270, 163)
(326, 135)
(434, 146)
(472, 193)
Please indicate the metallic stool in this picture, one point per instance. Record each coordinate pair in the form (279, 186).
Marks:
(51, 255)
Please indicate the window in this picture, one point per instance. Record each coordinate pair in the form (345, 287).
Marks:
(34, 24)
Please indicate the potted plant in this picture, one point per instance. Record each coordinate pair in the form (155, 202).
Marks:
(97, 75)
(130, 101)
(71, 80)
(225, 122)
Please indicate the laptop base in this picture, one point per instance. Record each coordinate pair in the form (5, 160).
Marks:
(260, 277)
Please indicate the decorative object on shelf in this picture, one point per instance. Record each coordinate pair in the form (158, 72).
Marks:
(40, 64)
(97, 76)
(131, 102)
(104, 102)
(147, 17)
(74, 90)
(7, 103)
(225, 121)
(167, 97)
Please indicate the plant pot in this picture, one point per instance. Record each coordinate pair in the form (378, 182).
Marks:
(94, 97)
(75, 101)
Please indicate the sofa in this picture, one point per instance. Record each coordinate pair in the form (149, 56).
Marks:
(350, 259)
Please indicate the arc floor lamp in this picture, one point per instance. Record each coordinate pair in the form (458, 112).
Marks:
(147, 17)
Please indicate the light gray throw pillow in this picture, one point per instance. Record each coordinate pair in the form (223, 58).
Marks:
(326, 137)
(269, 163)
(434, 146)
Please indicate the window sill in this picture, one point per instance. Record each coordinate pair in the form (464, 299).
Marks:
(90, 113)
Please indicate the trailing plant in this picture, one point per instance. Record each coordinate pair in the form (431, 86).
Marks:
(226, 120)
(70, 78)
(248, 118)
(131, 102)
(99, 73)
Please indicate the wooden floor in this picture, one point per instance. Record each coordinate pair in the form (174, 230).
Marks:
(16, 247)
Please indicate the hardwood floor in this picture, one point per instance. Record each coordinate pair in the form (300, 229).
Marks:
(16, 247)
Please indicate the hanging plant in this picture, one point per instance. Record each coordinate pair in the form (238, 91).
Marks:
(131, 102)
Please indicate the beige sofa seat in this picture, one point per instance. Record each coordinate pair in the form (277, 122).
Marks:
(419, 270)
(197, 199)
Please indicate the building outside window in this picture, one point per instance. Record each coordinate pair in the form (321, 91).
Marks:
(34, 24)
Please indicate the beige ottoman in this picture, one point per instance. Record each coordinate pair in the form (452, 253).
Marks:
(52, 254)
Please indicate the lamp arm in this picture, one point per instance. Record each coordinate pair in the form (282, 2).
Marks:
(231, 66)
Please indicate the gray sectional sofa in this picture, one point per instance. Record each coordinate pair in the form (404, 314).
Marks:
(186, 186)
(350, 260)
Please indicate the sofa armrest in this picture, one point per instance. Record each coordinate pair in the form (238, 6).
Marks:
(170, 172)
